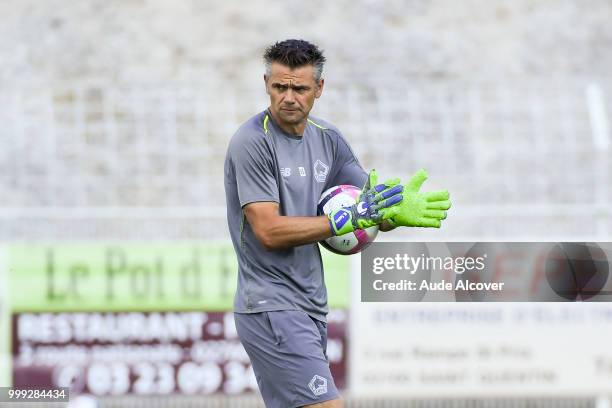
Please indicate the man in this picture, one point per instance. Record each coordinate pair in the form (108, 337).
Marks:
(277, 165)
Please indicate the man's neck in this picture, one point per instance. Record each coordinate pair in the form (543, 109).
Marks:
(294, 130)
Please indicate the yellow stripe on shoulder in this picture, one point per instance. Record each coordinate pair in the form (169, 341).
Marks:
(265, 124)
(316, 124)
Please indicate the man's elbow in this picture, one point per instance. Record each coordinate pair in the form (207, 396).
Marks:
(267, 241)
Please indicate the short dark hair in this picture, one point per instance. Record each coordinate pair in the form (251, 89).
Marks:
(295, 54)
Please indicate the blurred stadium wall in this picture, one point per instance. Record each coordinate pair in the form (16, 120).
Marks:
(119, 112)
(116, 114)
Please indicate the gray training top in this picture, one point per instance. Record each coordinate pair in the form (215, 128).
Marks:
(263, 163)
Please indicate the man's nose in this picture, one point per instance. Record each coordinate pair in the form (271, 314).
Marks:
(289, 96)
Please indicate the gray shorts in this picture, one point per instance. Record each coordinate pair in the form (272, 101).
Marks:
(288, 351)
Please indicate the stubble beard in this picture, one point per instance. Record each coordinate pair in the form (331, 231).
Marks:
(293, 119)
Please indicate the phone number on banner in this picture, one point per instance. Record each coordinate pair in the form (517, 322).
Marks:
(158, 378)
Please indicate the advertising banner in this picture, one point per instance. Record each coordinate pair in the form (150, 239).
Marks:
(475, 341)
(165, 276)
(140, 318)
(143, 353)
(5, 334)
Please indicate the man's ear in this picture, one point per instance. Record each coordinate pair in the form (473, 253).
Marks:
(320, 88)
(266, 83)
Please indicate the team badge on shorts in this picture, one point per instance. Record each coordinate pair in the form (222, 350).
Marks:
(320, 171)
(318, 385)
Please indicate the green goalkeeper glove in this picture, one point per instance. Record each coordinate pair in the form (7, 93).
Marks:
(374, 205)
(420, 209)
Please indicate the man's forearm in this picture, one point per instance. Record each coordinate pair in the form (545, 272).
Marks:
(285, 232)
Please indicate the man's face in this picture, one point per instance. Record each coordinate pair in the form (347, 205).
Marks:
(292, 92)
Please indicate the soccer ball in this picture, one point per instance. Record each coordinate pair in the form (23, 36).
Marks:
(353, 242)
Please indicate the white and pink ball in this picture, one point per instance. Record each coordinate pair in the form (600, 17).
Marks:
(344, 196)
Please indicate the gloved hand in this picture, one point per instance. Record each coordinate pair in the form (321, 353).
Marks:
(420, 209)
(375, 204)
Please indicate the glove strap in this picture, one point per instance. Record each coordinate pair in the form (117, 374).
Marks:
(341, 221)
